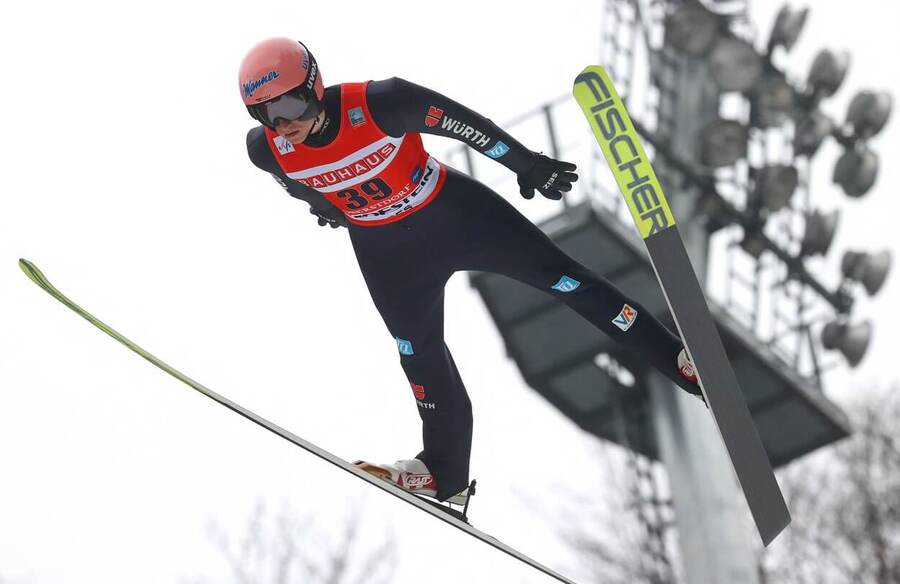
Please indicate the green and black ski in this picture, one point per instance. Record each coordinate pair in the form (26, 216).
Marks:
(634, 174)
(447, 514)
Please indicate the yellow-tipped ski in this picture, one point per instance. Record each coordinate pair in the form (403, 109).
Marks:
(622, 148)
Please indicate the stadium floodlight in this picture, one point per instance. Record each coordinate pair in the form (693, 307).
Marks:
(819, 233)
(773, 101)
(788, 25)
(856, 170)
(692, 28)
(851, 340)
(723, 142)
(868, 112)
(810, 129)
(774, 184)
(828, 71)
(734, 64)
(870, 269)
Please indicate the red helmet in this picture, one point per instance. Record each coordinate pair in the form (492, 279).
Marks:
(279, 78)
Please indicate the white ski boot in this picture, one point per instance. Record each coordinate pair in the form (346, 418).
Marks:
(410, 475)
(689, 373)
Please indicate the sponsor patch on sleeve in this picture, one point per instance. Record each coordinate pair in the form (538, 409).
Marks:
(497, 150)
(433, 116)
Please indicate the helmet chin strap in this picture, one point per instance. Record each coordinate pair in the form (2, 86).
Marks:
(319, 124)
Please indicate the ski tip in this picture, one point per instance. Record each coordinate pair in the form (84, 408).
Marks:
(32, 271)
(593, 68)
(590, 70)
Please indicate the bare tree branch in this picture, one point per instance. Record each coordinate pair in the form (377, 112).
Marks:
(845, 500)
(846, 505)
(603, 527)
(288, 549)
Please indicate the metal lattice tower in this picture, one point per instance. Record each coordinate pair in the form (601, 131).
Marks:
(765, 304)
(652, 508)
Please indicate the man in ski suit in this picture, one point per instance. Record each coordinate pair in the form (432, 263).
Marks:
(354, 152)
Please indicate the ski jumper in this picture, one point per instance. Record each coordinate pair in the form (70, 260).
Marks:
(413, 222)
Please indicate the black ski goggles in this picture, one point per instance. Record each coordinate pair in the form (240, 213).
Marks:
(293, 105)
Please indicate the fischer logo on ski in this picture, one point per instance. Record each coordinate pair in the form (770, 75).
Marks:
(625, 154)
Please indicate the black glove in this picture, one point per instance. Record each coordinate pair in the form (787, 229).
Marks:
(550, 177)
(330, 216)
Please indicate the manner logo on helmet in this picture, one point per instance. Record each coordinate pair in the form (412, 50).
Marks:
(433, 116)
(625, 318)
(252, 86)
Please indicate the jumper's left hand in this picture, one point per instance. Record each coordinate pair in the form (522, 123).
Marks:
(330, 215)
(550, 177)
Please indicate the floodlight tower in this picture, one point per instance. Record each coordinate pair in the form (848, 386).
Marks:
(731, 137)
(694, 62)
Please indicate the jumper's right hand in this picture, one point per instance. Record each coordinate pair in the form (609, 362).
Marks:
(330, 216)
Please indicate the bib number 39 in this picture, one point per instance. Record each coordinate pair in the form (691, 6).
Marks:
(373, 190)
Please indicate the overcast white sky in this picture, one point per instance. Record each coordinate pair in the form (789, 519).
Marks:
(125, 179)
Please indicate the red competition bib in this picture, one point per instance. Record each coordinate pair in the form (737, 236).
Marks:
(372, 177)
